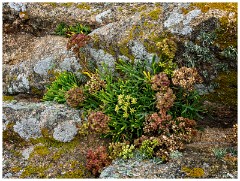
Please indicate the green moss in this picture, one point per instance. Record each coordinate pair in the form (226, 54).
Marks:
(57, 155)
(227, 33)
(52, 74)
(124, 50)
(120, 9)
(83, 6)
(16, 153)
(36, 171)
(154, 14)
(142, 8)
(52, 4)
(8, 98)
(227, 92)
(51, 142)
(194, 172)
(69, 4)
(205, 7)
(41, 151)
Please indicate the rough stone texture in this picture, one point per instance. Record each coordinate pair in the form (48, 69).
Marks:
(65, 132)
(28, 128)
(30, 119)
(120, 30)
(34, 71)
(26, 152)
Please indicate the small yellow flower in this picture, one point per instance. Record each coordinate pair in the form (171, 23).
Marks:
(128, 97)
(127, 104)
(120, 102)
(125, 115)
(132, 110)
(117, 108)
(134, 101)
(124, 108)
(120, 97)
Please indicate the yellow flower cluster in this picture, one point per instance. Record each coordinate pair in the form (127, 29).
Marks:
(122, 150)
(124, 103)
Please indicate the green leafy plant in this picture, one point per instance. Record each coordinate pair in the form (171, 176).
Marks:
(230, 53)
(187, 105)
(75, 97)
(147, 148)
(57, 90)
(63, 29)
(97, 159)
(219, 153)
(126, 100)
(120, 150)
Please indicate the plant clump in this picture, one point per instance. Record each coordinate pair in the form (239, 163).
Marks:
(63, 29)
(97, 160)
(165, 100)
(75, 97)
(98, 122)
(186, 78)
(147, 148)
(57, 90)
(160, 82)
(95, 84)
(77, 41)
(120, 150)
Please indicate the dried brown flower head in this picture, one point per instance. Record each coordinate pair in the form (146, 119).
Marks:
(74, 97)
(98, 122)
(160, 82)
(77, 41)
(95, 84)
(186, 78)
(165, 100)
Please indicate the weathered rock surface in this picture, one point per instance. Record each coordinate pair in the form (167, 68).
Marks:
(30, 68)
(120, 30)
(30, 120)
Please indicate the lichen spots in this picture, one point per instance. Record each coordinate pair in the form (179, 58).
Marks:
(41, 150)
(34, 171)
(227, 32)
(77, 170)
(205, 7)
(83, 6)
(8, 98)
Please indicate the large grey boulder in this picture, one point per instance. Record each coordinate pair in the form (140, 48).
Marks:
(30, 120)
(34, 71)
